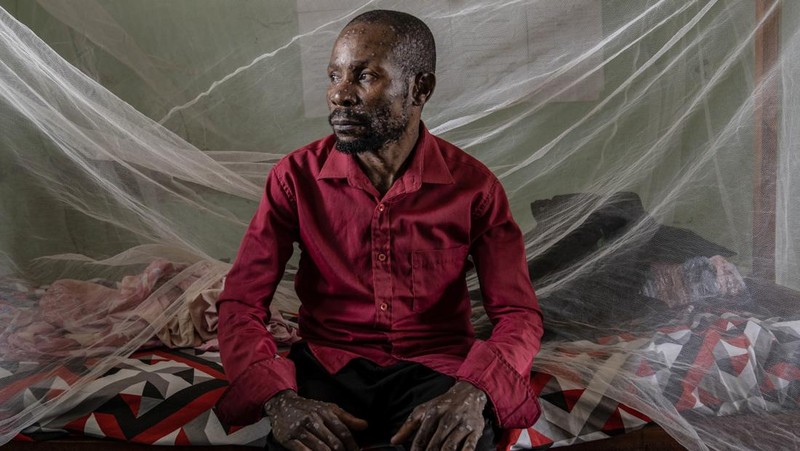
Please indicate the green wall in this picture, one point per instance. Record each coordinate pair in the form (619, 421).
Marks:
(254, 27)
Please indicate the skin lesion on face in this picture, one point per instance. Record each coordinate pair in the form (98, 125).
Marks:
(368, 95)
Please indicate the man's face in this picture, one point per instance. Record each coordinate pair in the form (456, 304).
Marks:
(367, 95)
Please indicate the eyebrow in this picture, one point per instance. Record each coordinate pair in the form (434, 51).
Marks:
(359, 63)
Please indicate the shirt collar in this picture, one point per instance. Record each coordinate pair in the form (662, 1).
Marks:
(427, 164)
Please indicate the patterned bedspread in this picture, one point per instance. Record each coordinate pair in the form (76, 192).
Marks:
(165, 397)
(709, 362)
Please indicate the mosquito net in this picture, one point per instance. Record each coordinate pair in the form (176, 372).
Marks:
(648, 150)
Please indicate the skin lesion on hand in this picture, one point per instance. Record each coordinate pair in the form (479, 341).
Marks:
(300, 423)
(451, 421)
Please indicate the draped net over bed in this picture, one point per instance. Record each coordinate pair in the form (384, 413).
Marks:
(648, 148)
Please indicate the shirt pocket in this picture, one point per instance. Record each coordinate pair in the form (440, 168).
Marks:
(433, 272)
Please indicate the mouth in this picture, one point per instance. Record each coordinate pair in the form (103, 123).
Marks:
(347, 125)
(346, 121)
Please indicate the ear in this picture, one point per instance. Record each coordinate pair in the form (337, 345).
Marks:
(423, 86)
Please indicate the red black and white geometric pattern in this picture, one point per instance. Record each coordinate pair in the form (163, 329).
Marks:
(572, 414)
(712, 363)
(159, 397)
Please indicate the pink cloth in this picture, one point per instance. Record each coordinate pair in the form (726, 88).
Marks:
(81, 318)
(77, 318)
(729, 281)
(670, 283)
(666, 284)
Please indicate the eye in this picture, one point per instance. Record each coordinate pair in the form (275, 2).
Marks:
(334, 77)
(366, 76)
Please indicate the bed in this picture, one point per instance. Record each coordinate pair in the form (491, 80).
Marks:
(712, 359)
(166, 396)
(128, 126)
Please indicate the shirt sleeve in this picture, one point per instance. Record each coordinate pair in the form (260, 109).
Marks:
(248, 351)
(501, 365)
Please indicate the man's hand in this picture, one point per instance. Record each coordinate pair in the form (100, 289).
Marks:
(451, 421)
(302, 424)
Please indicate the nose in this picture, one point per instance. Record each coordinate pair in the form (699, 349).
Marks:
(342, 93)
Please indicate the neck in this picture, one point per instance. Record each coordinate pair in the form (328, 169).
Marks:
(385, 165)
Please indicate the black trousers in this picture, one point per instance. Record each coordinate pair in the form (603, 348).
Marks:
(383, 396)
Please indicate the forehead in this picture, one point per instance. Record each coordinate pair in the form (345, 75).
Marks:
(363, 42)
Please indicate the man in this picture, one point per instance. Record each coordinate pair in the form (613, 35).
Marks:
(387, 217)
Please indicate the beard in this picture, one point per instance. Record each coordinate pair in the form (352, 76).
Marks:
(380, 128)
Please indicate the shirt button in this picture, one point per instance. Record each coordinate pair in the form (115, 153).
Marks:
(382, 257)
(384, 307)
(381, 207)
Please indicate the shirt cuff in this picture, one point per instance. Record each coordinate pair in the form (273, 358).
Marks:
(244, 399)
(515, 404)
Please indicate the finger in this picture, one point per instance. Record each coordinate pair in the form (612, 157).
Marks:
(456, 437)
(342, 433)
(352, 422)
(471, 443)
(409, 426)
(312, 441)
(441, 433)
(319, 429)
(296, 445)
(426, 429)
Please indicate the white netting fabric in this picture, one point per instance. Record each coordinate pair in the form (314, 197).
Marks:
(648, 150)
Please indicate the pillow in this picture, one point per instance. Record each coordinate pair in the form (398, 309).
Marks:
(608, 222)
(603, 225)
(606, 292)
(676, 245)
(610, 288)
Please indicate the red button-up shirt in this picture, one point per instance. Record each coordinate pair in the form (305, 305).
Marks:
(383, 277)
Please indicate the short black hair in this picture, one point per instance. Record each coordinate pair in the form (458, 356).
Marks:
(415, 48)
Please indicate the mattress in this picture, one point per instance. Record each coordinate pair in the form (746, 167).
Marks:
(710, 361)
(166, 397)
